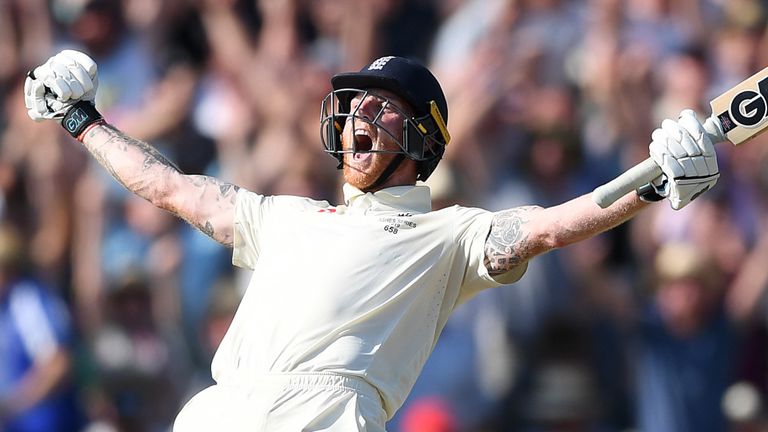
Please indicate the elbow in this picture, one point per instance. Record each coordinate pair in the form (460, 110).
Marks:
(163, 195)
(160, 198)
(556, 241)
(158, 191)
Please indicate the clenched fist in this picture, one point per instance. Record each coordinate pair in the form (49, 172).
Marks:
(686, 154)
(54, 89)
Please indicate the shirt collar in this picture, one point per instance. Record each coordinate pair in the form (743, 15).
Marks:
(414, 198)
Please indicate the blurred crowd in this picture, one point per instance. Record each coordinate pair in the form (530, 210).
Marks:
(110, 310)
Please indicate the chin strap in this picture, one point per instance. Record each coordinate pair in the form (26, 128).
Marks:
(387, 172)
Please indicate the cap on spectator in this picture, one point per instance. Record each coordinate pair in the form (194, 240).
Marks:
(679, 260)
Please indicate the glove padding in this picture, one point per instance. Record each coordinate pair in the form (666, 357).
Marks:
(54, 87)
(686, 155)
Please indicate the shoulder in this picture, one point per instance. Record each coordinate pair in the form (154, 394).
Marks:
(246, 199)
(463, 222)
(458, 211)
(470, 216)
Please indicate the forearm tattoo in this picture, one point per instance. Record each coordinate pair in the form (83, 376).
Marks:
(506, 246)
(143, 170)
(103, 147)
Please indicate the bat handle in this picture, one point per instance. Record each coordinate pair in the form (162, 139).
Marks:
(715, 130)
(644, 172)
(628, 181)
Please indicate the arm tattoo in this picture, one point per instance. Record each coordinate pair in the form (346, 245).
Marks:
(143, 170)
(117, 141)
(506, 245)
(227, 194)
(224, 188)
(207, 229)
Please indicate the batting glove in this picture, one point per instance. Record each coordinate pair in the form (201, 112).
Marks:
(63, 89)
(686, 155)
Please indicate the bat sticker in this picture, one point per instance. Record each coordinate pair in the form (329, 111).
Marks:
(748, 108)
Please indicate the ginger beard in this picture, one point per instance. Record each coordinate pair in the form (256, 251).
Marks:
(363, 169)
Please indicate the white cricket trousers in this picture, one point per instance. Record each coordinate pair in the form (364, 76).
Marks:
(294, 402)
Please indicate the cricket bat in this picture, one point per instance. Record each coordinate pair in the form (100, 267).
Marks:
(738, 115)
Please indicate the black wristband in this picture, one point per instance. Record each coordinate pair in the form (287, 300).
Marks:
(79, 117)
(648, 193)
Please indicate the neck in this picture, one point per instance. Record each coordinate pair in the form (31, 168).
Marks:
(404, 174)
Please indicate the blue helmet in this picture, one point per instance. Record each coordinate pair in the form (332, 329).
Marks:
(425, 132)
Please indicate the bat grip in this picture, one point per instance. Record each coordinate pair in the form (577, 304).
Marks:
(628, 181)
(645, 171)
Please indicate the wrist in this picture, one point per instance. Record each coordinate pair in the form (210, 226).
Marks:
(80, 118)
(91, 126)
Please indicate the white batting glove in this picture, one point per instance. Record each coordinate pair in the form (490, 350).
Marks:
(686, 155)
(54, 87)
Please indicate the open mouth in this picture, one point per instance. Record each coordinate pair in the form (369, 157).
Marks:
(363, 142)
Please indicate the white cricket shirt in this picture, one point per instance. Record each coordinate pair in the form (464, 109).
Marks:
(362, 289)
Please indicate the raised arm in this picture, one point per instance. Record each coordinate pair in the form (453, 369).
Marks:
(205, 202)
(521, 233)
(63, 90)
(682, 149)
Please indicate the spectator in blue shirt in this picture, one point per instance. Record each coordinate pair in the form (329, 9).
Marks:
(685, 350)
(35, 393)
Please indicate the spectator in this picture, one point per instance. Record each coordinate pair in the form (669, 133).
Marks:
(36, 340)
(140, 367)
(683, 356)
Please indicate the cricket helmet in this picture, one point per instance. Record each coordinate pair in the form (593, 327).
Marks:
(424, 133)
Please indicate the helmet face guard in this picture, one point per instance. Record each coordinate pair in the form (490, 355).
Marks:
(422, 138)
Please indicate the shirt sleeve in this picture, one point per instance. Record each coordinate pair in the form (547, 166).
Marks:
(254, 214)
(472, 226)
(249, 215)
